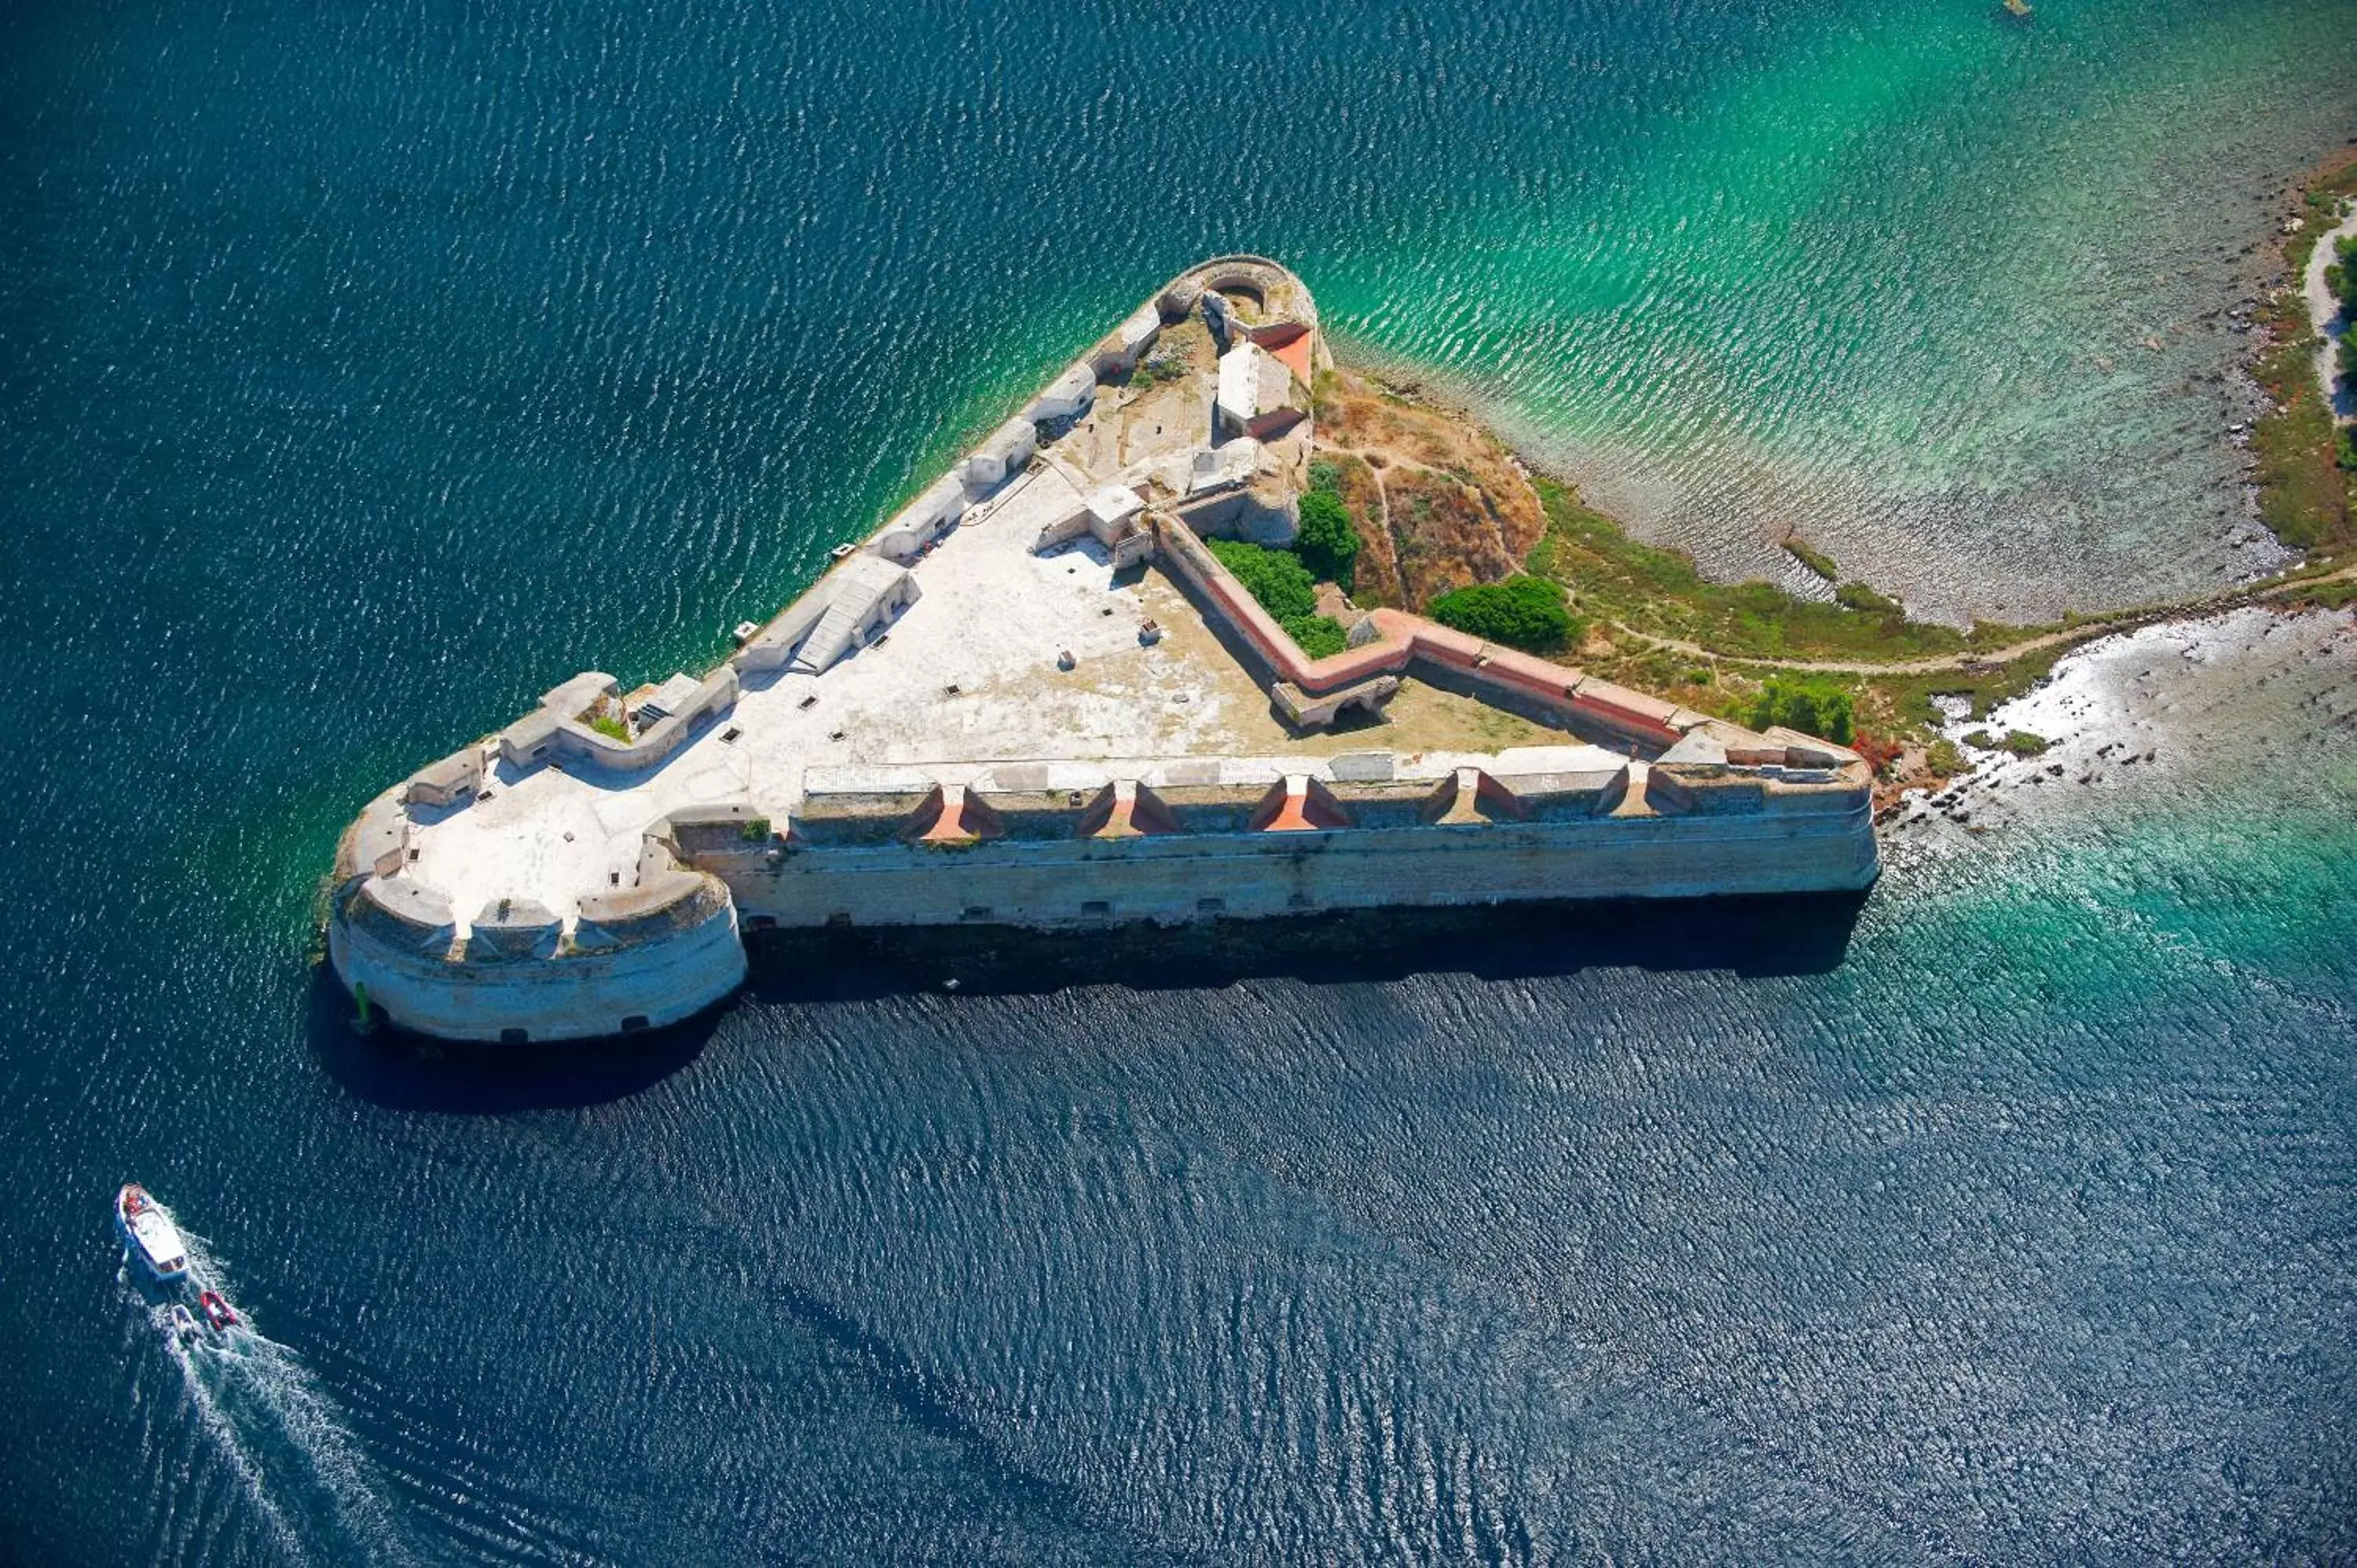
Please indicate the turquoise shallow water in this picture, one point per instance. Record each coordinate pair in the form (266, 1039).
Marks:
(365, 370)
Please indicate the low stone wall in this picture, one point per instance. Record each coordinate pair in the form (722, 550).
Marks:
(554, 732)
(1400, 641)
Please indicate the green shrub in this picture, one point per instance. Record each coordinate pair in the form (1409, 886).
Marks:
(2021, 743)
(1944, 760)
(2344, 447)
(1328, 542)
(1317, 636)
(1809, 706)
(1864, 599)
(1527, 613)
(611, 727)
(1815, 560)
(1275, 577)
(1980, 740)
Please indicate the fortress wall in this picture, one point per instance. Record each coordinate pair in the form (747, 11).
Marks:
(687, 966)
(1178, 877)
(1521, 682)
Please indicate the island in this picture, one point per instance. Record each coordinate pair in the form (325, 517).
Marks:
(1085, 679)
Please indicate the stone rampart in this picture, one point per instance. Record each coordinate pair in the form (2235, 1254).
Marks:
(1392, 642)
(637, 958)
(1219, 866)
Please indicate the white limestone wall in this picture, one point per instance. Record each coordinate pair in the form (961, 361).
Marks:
(584, 996)
(1193, 876)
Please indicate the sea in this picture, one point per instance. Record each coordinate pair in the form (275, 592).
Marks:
(369, 366)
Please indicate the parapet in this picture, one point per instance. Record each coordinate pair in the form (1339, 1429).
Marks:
(855, 818)
(403, 914)
(1565, 794)
(1067, 397)
(1002, 455)
(378, 839)
(1716, 789)
(445, 782)
(513, 928)
(667, 897)
(937, 509)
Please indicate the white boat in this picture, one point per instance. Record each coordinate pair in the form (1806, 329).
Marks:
(150, 1235)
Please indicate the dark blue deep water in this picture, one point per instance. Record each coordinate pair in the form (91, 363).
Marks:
(366, 367)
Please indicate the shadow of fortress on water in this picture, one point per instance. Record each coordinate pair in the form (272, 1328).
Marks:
(1780, 935)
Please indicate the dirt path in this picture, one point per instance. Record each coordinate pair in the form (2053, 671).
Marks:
(1399, 549)
(1992, 656)
(2323, 309)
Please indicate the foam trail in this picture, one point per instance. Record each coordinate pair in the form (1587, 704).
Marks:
(280, 1429)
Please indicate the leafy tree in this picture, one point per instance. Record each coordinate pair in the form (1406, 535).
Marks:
(1328, 542)
(1282, 585)
(1317, 635)
(1276, 577)
(1807, 707)
(1522, 612)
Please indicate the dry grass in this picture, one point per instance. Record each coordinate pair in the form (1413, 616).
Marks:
(1439, 503)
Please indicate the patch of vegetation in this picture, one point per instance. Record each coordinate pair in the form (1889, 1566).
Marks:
(1813, 707)
(1524, 612)
(1822, 564)
(1282, 586)
(1660, 592)
(754, 829)
(610, 728)
(1156, 369)
(1905, 701)
(1320, 637)
(1944, 760)
(1858, 596)
(1328, 542)
(1275, 577)
(1882, 752)
(2327, 595)
(2019, 742)
(2305, 474)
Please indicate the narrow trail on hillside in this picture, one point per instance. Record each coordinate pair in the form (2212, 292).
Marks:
(1992, 656)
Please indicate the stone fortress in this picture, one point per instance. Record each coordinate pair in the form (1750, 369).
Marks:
(1033, 697)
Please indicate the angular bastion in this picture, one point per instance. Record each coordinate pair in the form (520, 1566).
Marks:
(1033, 697)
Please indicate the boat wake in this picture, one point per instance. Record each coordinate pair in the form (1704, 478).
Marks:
(269, 1416)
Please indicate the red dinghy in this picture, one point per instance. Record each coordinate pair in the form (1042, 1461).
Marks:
(217, 1311)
